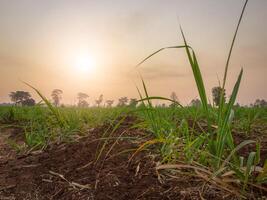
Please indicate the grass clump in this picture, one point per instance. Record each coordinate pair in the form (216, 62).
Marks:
(41, 127)
(211, 147)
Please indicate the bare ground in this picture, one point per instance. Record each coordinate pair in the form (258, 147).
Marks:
(78, 171)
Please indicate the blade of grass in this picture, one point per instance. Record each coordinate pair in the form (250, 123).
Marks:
(223, 131)
(249, 167)
(54, 110)
(197, 74)
(164, 48)
(221, 104)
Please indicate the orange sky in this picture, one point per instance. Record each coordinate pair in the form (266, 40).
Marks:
(41, 42)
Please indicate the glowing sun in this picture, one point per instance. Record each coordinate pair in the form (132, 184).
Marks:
(84, 63)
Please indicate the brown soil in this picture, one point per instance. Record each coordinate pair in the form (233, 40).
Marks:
(71, 171)
(7, 137)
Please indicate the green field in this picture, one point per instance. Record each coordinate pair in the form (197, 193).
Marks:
(174, 134)
(40, 125)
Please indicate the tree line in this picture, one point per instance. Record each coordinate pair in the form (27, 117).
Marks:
(24, 98)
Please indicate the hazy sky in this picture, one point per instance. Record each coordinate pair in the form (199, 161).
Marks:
(46, 43)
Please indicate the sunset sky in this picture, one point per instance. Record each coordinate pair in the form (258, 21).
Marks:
(92, 46)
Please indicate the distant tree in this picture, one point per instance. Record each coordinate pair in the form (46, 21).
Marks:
(133, 102)
(195, 102)
(216, 95)
(56, 96)
(173, 97)
(99, 100)
(260, 103)
(109, 103)
(82, 99)
(123, 101)
(21, 97)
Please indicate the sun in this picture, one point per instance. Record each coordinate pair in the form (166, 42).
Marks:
(81, 63)
(84, 63)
